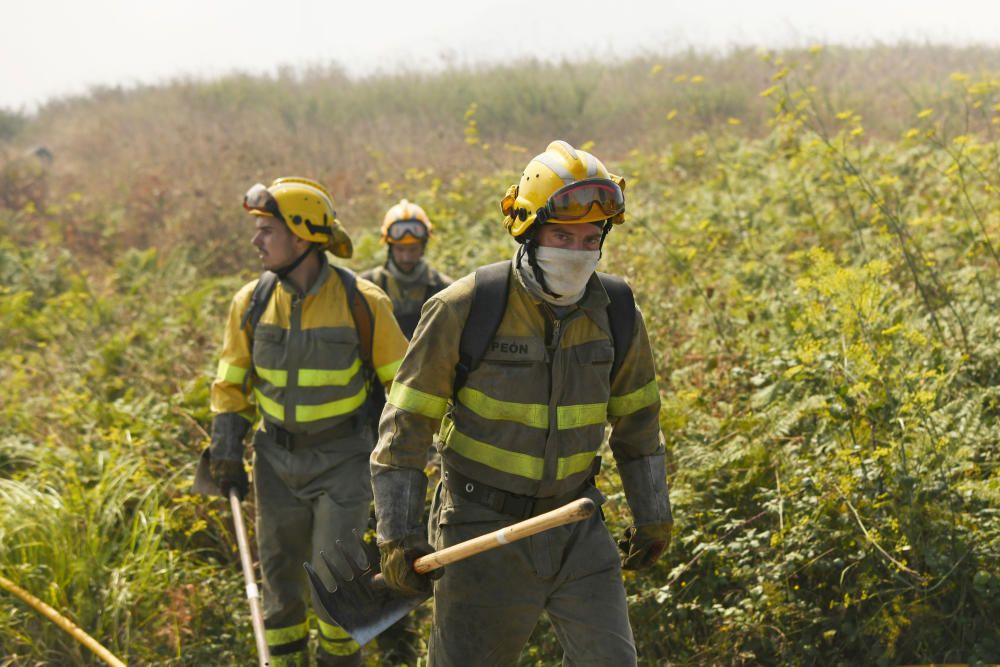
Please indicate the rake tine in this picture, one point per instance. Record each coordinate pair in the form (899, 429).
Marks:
(317, 583)
(360, 566)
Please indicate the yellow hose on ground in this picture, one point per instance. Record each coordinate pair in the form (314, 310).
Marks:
(63, 622)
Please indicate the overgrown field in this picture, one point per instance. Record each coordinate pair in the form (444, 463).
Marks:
(815, 253)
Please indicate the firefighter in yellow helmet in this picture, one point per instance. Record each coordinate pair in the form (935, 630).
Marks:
(521, 416)
(406, 277)
(296, 362)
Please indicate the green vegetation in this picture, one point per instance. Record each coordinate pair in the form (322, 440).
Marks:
(814, 239)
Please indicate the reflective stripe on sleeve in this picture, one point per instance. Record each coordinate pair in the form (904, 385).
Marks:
(229, 373)
(419, 402)
(388, 372)
(620, 406)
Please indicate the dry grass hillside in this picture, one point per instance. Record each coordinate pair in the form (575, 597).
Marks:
(161, 166)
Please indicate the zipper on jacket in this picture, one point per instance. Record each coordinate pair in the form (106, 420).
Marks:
(552, 353)
(294, 346)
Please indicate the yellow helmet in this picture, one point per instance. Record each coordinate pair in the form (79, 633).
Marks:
(406, 223)
(563, 185)
(305, 207)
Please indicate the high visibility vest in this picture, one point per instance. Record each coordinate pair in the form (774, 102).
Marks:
(307, 373)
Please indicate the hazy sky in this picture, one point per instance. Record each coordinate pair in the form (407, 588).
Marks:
(58, 47)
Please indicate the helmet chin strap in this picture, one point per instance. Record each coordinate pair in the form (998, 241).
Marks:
(288, 268)
(530, 242)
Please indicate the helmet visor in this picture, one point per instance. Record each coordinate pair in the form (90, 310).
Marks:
(576, 200)
(259, 199)
(402, 228)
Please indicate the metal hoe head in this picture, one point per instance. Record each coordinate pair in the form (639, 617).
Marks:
(359, 601)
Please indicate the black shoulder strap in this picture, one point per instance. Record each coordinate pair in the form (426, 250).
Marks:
(258, 301)
(621, 317)
(489, 301)
(435, 285)
(364, 320)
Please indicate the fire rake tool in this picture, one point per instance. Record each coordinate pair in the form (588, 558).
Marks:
(364, 606)
(250, 578)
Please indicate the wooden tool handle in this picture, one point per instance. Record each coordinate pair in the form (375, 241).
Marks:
(577, 510)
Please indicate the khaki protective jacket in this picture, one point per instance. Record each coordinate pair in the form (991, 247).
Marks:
(307, 370)
(532, 416)
(408, 297)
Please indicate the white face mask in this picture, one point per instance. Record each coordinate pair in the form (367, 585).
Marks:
(566, 272)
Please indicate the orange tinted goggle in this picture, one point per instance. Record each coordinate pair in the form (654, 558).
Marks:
(259, 199)
(402, 228)
(576, 200)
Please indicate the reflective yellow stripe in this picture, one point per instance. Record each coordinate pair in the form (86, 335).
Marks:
(494, 457)
(274, 377)
(575, 416)
(619, 406)
(272, 408)
(414, 400)
(535, 415)
(343, 406)
(514, 463)
(335, 640)
(571, 465)
(293, 633)
(230, 373)
(320, 378)
(388, 372)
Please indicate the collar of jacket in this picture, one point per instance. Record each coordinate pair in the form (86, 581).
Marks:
(324, 274)
(417, 275)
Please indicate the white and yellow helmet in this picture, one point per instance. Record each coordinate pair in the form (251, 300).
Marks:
(405, 224)
(563, 185)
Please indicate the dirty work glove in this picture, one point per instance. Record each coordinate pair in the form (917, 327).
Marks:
(643, 545)
(397, 565)
(229, 473)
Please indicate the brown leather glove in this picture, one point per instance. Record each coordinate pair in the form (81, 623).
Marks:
(397, 565)
(643, 545)
(229, 473)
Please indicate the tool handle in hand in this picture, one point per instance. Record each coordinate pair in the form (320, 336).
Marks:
(577, 510)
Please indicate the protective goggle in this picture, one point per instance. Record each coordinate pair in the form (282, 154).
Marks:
(401, 228)
(258, 198)
(575, 201)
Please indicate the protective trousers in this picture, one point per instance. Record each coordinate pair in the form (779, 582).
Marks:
(307, 498)
(486, 607)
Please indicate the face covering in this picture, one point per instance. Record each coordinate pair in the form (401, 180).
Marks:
(566, 272)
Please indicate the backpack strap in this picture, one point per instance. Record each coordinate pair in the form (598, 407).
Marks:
(435, 286)
(258, 301)
(489, 301)
(621, 317)
(364, 320)
(364, 323)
